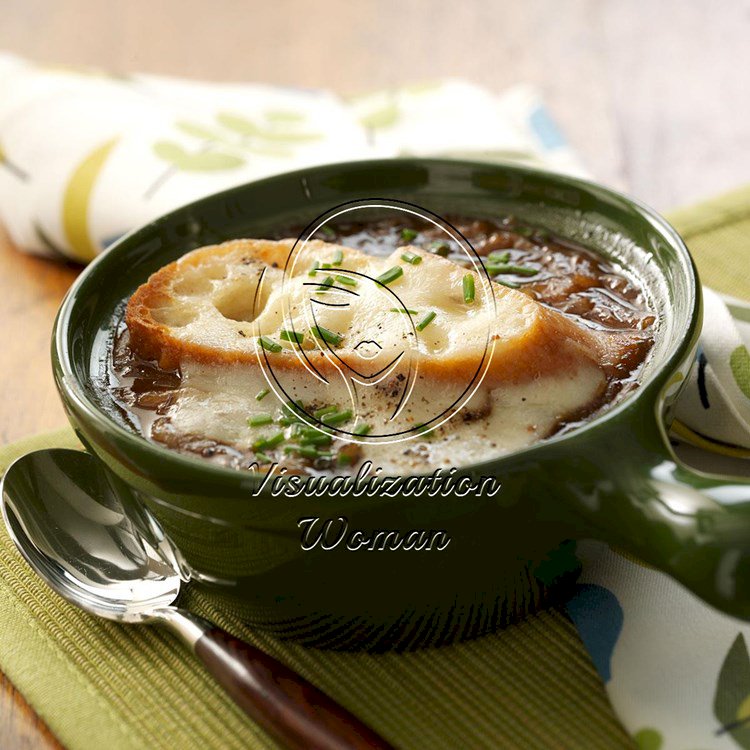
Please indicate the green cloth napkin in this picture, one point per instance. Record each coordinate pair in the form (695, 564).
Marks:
(530, 686)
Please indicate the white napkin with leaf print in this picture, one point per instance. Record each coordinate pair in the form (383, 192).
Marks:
(719, 384)
(87, 156)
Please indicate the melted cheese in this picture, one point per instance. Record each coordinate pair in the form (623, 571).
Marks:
(217, 403)
(492, 374)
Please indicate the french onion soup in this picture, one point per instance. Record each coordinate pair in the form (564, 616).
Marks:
(378, 341)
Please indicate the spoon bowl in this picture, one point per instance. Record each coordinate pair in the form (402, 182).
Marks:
(83, 531)
(86, 534)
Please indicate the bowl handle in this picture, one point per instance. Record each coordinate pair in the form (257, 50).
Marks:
(692, 526)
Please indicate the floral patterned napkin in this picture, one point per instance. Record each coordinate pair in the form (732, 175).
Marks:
(85, 157)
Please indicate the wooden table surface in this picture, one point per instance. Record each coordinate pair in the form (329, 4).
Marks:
(654, 96)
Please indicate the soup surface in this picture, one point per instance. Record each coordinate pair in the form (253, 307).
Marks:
(231, 416)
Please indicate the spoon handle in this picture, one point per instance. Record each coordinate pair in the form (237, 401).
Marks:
(284, 703)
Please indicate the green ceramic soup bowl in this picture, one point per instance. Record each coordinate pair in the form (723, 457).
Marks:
(613, 479)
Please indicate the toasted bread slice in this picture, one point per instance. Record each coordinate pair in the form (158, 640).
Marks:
(213, 305)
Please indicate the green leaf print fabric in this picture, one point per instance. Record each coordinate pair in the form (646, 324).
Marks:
(126, 149)
(732, 701)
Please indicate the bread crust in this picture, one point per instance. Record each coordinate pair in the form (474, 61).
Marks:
(152, 339)
(550, 343)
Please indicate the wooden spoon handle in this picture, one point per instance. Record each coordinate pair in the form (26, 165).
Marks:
(285, 704)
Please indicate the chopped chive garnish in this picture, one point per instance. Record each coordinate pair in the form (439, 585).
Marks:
(493, 270)
(337, 417)
(346, 280)
(306, 451)
(468, 288)
(263, 458)
(344, 459)
(404, 310)
(260, 395)
(269, 344)
(260, 420)
(511, 284)
(509, 268)
(330, 336)
(266, 443)
(362, 429)
(412, 258)
(390, 275)
(314, 268)
(319, 439)
(426, 320)
(327, 231)
(407, 235)
(337, 257)
(440, 248)
(287, 421)
(424, 429)
(318, 413)
(305, 431)
(288, 414)
(297, 338)
(291, 407)
(328, 281)
(499, 257)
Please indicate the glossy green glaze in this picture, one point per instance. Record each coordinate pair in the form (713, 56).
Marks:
(612, 479)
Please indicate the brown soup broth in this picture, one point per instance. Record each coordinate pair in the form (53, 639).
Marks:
(569, 278)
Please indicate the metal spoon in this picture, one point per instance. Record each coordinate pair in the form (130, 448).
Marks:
(88, 536)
